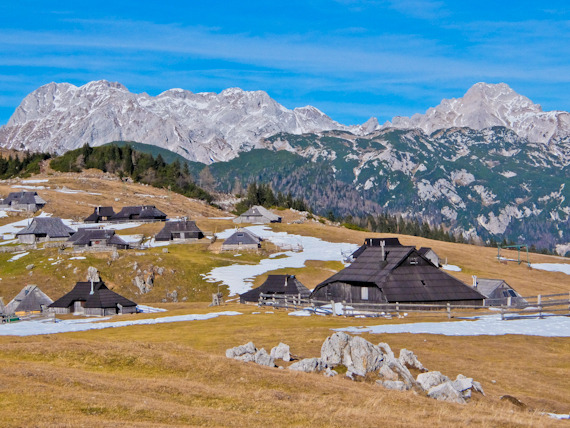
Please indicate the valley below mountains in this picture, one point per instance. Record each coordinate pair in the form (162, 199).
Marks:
(490, 166)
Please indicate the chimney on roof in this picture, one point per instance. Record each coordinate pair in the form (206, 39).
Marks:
(382, 244)
(91, 292)
(474, 280)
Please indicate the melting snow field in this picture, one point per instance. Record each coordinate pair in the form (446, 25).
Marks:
(32, 328)
(553, 267)
(451, 268)
(488, 325)
(239, 277)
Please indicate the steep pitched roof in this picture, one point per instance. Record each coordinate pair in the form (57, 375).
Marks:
(102, 297)
(49, 226)
(84, 236)
(278, 284)
(242, 237)
(143, 212)
(24, 198)
(29, 299)
(259, 211)
(487, 286)
(375, 242)
(99, 212)
(181, 226)
(400, 281)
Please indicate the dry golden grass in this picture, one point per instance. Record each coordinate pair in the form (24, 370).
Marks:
(177, 374)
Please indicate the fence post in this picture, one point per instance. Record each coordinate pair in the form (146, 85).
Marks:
(509, 301)
(398, 309)
(274, 300)
(448, 310)
(568, 303)
(502, 313)
(286, 302)
(260, 300)
(539, 301)
(344, 307)
(333, 308)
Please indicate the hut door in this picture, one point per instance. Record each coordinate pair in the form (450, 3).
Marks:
(77, 308)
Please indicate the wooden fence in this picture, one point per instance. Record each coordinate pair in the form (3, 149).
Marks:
(532, 306)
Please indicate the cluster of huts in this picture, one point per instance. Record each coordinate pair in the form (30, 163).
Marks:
(385, 271)
(92, 298)
(22, 201)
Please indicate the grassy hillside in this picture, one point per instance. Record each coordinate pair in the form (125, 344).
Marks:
(177, 375)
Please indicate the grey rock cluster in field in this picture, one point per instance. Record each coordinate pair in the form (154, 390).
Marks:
(361, 357)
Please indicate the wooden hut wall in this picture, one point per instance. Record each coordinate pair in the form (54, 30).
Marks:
(343, 292)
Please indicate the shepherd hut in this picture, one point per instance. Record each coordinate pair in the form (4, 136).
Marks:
(242, 239)
(390, 274)
(139, 213)
(100, 214)
(257, 215)
(497, 292)
(97, 238)
(93, 298)
(277, 284)
(43, 229)
(179, 230)
(31, 300)
(27, 201)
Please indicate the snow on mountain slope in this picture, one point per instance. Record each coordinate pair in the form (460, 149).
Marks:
(206, 127)
(487, 105)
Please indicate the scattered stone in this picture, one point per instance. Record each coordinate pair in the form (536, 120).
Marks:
(263, 358)
(30, 267)
(446, 392)
(160, 271)
(308, 365)
(387, 373)
(93, 274)
(165, 250)
(385, 348)
(430, 379)
(333, 347)
(243, 352)
(395, 385)
(397, 367)
(410, 361)
(330, 373)
(135, 266)
(356, 353)
(478, 388)
(114, 255)
(281, 352)
(349, 375)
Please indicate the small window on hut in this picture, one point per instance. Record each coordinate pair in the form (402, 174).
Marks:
(413, 261)
(512, 293)
(364, 293)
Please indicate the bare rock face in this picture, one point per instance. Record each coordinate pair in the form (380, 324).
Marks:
(204, 127)
(243, 352)
(395, 385)
(93, 274)
(430, 379)
(281, 351)
(308, 365)
(446, 392)
(357, 354)
(262, 358)
(387, 373)
(409, 360)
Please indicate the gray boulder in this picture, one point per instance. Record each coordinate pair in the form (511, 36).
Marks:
(93, 274)
(466, 385)
(395, 385)
(356, 353)
(399, 369)
(262, 358)
(446, 392)
(387, 373)
(330, 373)
(430, 379)
(409, 360)
(240, 352)
(308, 365)
(385, 348)
(281, 351)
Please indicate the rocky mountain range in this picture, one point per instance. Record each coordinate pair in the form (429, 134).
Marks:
(488, 165)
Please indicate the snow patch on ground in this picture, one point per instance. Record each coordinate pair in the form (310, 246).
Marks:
(238, 277)
(18, 256)
(20, 186)
(451, 268)
(553, 267)
(32, 328)
(488, 325)
(149, 309)
(45, 180)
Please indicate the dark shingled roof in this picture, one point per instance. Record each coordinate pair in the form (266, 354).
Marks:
(243, 237)
(400, 281)
(260, 212)
(30, 299)
(24, 198)
(142, 212)
(278, 284)
(179, 226)
(99, 213)
(102, 297)
(85, 236)
(375, 242)
(47, 226)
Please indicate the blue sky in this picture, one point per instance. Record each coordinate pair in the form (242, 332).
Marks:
(350, 58)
